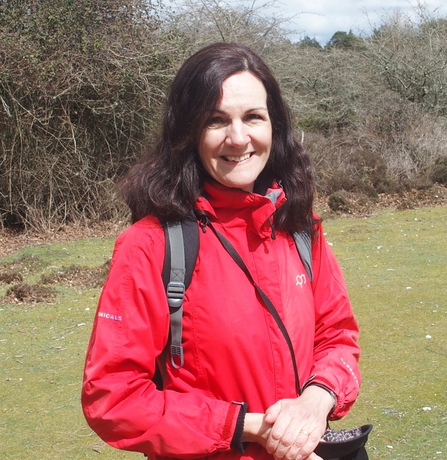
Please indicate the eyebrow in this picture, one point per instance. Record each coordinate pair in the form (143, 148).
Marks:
(247, 111)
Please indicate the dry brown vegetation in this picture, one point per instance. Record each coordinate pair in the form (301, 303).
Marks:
(82, 85)
(12, 274)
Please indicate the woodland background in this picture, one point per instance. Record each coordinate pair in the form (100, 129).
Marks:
(82, 85)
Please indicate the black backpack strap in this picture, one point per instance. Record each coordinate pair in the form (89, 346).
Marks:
(182, 247)
(303, 242)
(176, 289)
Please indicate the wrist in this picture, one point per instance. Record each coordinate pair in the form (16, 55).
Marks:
(326, 396)
(255, 428)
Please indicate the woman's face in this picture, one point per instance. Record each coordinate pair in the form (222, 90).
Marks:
(235, 144)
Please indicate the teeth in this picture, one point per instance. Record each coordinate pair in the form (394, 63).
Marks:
(238, 159)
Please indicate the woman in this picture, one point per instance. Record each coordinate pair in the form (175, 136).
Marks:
(227, 152)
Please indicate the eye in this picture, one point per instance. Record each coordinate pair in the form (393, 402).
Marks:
(254, 117)
(216, 121)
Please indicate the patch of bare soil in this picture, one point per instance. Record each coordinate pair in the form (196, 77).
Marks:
(43, 291)
(77, 275)
(14, 240)
(27, 293)
(12, 273)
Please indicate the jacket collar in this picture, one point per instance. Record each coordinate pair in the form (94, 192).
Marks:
(226, 204)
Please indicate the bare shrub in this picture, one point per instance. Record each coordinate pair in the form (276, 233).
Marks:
(439, 171)
(407, 137)
(340, 202)
(325, 88)
(343, 202)
(259, 25)
(80, 92)
(341, 164)
(409, 53)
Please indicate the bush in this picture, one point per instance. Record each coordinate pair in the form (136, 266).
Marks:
(439, 171)
(82, 84)
(80, 94)
(343, 202)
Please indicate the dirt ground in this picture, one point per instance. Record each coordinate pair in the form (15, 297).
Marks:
(14, 240)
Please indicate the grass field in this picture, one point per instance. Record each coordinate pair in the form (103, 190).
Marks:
(395, 265)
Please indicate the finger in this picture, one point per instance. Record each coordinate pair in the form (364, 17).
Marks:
(280, 438)
(306, 433)
(272, 413)
(287, 437)
(303, 446)
(307, 450)
(292, 444)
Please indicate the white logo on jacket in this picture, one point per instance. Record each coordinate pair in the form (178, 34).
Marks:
(110, 316)
(300, 280)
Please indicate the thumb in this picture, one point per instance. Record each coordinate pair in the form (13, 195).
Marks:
(271, 414)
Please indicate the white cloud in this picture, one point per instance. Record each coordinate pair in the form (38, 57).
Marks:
(321, 19)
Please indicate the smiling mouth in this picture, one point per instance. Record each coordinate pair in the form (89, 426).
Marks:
(237, 159)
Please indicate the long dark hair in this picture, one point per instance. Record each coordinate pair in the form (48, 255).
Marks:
(169, 180)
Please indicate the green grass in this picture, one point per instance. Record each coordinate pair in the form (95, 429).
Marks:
(395, 266)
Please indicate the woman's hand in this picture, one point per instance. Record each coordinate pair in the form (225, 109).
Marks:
(255, 428)
(297, 425)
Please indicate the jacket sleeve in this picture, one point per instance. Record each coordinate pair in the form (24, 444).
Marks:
(120, 401)
(336, 349)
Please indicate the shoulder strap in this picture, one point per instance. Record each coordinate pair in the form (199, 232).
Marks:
(268, 303)
(182, 247)
(303, 242)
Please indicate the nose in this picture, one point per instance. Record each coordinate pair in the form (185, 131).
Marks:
(237, 134)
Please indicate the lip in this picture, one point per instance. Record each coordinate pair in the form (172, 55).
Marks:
(237, 158)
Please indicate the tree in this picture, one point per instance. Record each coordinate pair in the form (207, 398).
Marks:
(411, 57)
(309, 42)
(344, 40)
(259, 26)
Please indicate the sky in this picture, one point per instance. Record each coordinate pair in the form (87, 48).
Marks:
(320, 19)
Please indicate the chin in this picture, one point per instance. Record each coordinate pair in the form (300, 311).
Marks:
(243, 186)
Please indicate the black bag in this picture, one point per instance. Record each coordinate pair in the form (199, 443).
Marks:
(344, 444)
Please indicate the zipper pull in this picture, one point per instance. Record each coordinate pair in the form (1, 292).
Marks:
(203, 222)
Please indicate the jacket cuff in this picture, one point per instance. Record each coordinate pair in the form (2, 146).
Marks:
(236, 442)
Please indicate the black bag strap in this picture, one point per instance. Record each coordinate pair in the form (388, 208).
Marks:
(182, 247)
(268, 303)
(303, 243)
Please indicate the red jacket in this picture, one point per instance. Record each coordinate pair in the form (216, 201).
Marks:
(233, 348)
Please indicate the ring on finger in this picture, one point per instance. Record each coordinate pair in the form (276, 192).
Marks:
(305, 432)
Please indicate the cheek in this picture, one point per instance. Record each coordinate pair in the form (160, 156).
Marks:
(207, 146)
(267, 147)
(205, 153)
(265, 138)
(202, 147)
